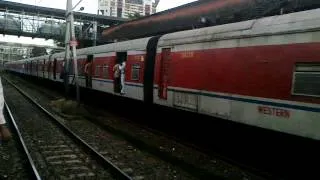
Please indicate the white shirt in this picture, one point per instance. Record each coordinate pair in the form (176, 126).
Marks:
(2, 120)
(122, 67)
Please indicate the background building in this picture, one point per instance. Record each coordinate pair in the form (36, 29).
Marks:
(16, 51)
(127, 8)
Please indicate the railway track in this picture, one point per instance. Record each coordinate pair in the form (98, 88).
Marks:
(15, 161)
(30, 166)
(132, 162)
(54, 151)
(125, 155)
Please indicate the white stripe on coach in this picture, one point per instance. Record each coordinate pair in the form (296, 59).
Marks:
(247, 97)
(136, 52)
(110, 54)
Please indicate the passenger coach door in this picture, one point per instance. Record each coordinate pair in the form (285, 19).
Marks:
(119, 81)
(43, 68)
(164, 73)
(55, 68)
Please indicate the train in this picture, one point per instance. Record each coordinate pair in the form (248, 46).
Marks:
(262, 72)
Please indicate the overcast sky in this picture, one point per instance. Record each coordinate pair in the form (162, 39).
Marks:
(90, 6)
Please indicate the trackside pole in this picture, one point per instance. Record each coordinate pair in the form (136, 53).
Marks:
(70, 30)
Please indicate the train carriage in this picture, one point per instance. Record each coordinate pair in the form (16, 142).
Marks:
(261, 72)
(104, 59)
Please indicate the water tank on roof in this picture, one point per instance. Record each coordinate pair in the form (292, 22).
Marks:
(50, 27)
(9, 22)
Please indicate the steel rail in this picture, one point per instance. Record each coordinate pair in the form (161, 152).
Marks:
(115, 171)
(35, 173)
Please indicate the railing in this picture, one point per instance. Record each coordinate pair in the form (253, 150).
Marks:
(42, 26)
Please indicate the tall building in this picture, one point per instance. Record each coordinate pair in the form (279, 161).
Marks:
(123, 8)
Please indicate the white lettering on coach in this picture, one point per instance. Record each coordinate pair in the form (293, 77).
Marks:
(185, 100)
(271, 111)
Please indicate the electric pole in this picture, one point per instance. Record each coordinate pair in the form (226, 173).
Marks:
(71, 41)
(67, 49)
(95, 29)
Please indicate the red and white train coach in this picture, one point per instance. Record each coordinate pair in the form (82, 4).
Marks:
(262, 72)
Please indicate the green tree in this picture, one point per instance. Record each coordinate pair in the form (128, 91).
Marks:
(135, 15)
(38, 51)
(59, 43)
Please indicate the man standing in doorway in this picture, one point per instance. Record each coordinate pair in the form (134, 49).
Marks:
(116, 78)
(5, 134)
(88, 71)
(122, 68)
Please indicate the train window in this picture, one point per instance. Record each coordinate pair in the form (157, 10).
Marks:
(135, 72)
(55, 68)
(306, 80)
(71, 69)
(106, 71)
(97, 72)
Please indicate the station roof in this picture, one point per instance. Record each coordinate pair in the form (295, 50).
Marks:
(180, 18)
(216, 12)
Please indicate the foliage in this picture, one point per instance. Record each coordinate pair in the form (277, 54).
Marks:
(136, 15)
(38, 51)
(59, 43)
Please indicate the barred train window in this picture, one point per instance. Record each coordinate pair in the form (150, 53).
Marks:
(135, 73)
(71, 69)
(97, 73)
(306, 80)
(106, 71)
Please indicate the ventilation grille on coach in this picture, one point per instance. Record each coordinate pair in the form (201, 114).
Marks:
(306, 80)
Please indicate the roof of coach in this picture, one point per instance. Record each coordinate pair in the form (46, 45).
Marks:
(35, 58)
(21, 61)
(17, 61)
(14, 62)
(300, 21)
(58, 55)
(137, 44)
